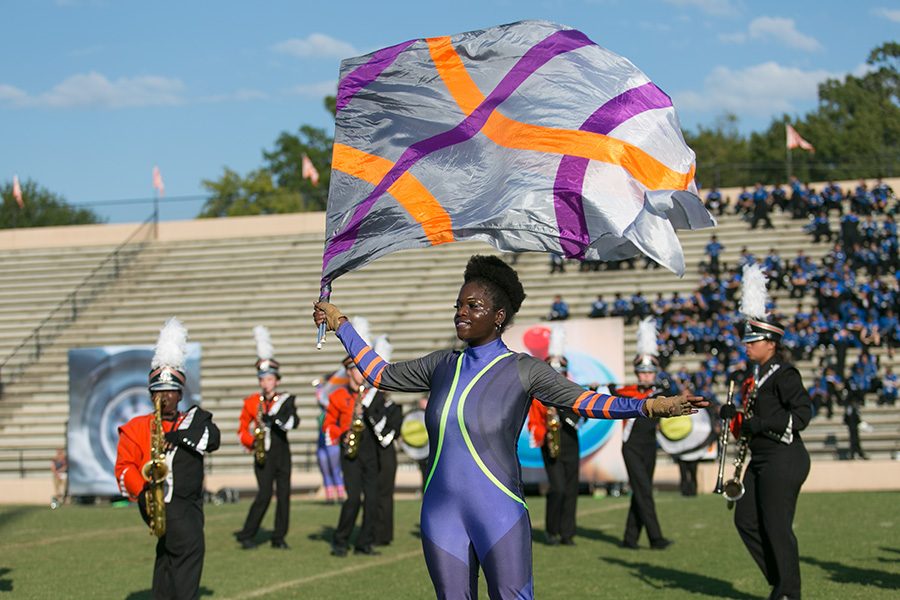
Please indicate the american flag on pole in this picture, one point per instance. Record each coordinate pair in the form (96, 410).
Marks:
(794, 140)
(17, 192)
(158, 184)
(308, 170)
(528, 136)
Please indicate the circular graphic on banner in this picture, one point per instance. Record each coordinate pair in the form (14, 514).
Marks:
(593, 433)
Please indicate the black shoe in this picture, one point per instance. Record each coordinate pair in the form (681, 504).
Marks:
(661, 544)
(247, 544)
(567, 541)
(367, 550)
(339, 551)
(629, 545)
(280, 544)
(553, 540)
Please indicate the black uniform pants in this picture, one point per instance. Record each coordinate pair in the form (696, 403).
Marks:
(640, 462)
(688, 471)
(361, 483)
(179, 553)
(562, 497)
(764, 516)
(277, 472)
(387, 473)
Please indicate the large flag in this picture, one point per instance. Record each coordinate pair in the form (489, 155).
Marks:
(308, 170)
(528, 136)
(794, 140)
(158, 184)
(17, 192)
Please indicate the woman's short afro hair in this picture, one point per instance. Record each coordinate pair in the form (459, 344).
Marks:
(500, 280)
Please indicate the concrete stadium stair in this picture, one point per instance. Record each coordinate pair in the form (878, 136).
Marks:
(222, 288)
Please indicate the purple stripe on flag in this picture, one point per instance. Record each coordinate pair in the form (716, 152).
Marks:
(553, 45)
(574, 237)
(365, 74)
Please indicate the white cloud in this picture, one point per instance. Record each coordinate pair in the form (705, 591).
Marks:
(316, 45)
(718, 8)
(241, 95)
(315, 90)
(93, 90)
(778, 29)
(891, 14)
(761, 90)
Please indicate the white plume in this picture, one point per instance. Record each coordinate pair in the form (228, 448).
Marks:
(383, 347)
(171, 345)
(361, 325)
(264, 349)
(753, 292)
(646, 337)
(557, 348)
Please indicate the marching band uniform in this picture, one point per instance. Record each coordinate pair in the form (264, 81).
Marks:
(279, 415)
(639, 447)
(562, 472)
(383, 419)
(360, 472)
(778, 467)
(188, 435)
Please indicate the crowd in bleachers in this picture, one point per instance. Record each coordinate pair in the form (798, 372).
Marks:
(848, 300)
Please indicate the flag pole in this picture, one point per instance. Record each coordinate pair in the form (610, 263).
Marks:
(787, 149)
(324, 296)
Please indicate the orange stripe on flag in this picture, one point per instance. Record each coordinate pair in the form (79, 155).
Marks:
(509, 133)
(409, 191)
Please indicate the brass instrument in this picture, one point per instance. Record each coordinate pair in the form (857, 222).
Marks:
(155, 472)
(553, 428)
(723, 442)
(354, 435)
(734, 488)
(259, 434)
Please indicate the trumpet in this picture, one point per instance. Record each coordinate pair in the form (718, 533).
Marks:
(553, 427)
(723, 442)
(155, 472)
(734, 487)
(259, 435)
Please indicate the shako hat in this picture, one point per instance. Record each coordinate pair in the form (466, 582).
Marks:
(265, 361)
(167, 366)
(646, 360)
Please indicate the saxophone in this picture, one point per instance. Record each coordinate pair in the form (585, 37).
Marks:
(553, 427)
(155, 472)
(357, 426)
(734, 488)
(259, 434)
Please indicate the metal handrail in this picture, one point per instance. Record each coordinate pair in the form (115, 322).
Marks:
(77, 299)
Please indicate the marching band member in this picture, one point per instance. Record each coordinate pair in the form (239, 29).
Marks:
(384, 419)
(473, 511)
(780, 409)
(265, 419)
(639, 445)
(167, 446)
(345, 424)
(555, 430)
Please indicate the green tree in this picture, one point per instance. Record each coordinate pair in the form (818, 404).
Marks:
(722, 153)
(256, 194)
(278, 186)
(41, 208)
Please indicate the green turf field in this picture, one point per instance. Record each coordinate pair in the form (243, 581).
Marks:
(849, 546)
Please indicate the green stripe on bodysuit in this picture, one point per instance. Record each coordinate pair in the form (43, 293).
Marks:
(444, 413)
(462, 427)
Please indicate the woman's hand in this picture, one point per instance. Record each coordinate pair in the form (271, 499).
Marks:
(673, 406)
(325, 312)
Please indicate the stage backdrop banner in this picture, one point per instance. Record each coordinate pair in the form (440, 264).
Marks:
(595, 354)
(107, 387)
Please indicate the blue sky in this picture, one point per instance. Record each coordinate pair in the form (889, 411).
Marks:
(93, 93)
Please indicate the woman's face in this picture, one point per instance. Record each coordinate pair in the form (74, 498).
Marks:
(760, 351)
(477, 320)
